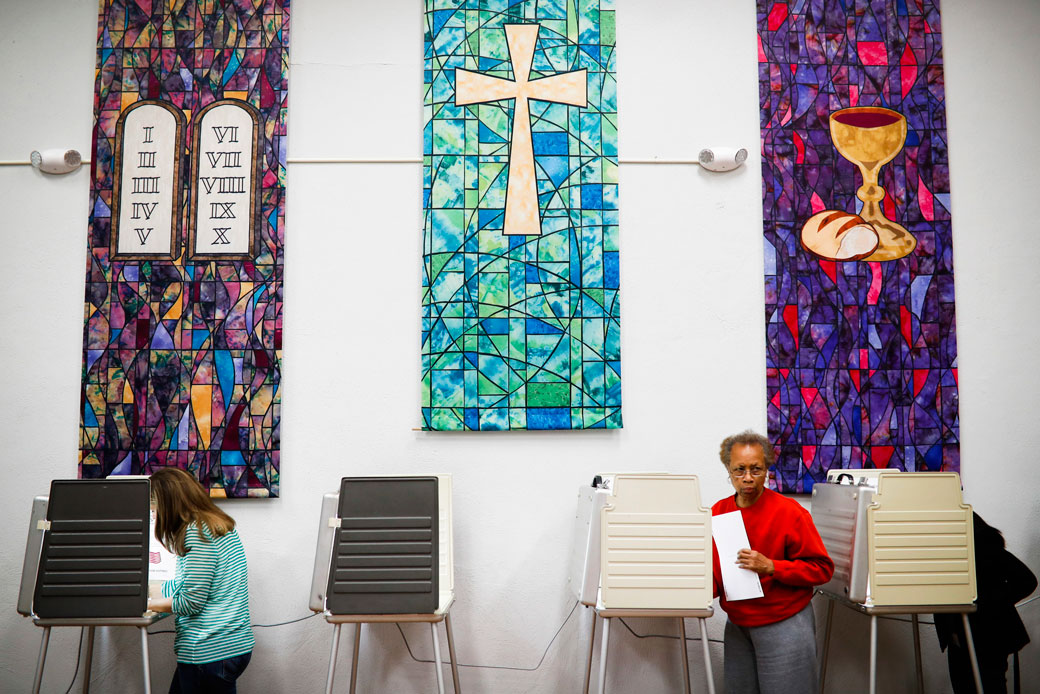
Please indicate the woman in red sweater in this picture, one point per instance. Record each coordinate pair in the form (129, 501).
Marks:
(770, 642)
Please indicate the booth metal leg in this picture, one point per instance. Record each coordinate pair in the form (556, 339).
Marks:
(437, 657)
(603, 655)
(707, 656)
(38, 679)
(144, 661)
(971, 652)
(592, 649)
(917, 654)
(601, 687)
(451, 655)
(685, 662)
(88, 658)
(354, 660)
(826, 644)
(332, 659)
(873, 654)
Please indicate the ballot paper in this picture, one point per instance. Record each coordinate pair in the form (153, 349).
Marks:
(162, 564)
(730, 537)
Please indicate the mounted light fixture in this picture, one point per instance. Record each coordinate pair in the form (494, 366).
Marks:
(722, 158)
(56, 161)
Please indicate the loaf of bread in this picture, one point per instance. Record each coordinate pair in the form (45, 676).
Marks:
(837, 235)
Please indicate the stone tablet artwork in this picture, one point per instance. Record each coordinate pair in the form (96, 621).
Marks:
(861, 343)
(521, 314)
(182, 343)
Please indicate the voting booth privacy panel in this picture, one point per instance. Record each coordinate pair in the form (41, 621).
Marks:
(645, 538)
(642, 548)
(897, 538)
(92, 558)
(384, 555)
(655, 544)
(922, 537)
(583, 575)
(33, 548)
(584, 571)
(902, 543)
(384, 547)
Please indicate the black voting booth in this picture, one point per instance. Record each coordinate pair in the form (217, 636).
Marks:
(94, 561)
(384, 557)
(384, 561)
(91, 562)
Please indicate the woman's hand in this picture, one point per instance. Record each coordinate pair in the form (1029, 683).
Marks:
(755, 561)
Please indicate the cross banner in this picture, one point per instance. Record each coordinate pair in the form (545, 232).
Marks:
(521, 215)
(521, 313)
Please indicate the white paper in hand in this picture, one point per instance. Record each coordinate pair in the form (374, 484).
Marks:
(730, 537)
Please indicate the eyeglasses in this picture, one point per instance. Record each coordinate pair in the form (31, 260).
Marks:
(754, 472)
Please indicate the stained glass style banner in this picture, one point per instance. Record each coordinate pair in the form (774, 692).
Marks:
(182, 343)
(521, 318)
(861, 343)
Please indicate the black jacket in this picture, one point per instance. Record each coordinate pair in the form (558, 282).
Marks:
(1001, 580)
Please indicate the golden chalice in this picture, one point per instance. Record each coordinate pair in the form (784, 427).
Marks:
(870, 137)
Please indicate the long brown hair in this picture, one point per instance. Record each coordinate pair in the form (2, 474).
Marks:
(180, 500)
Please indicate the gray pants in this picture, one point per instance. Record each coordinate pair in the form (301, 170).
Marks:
(776, 658)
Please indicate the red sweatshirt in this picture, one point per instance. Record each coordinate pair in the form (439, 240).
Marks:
(782, 530)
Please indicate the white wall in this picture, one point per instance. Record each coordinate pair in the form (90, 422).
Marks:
(693, 370)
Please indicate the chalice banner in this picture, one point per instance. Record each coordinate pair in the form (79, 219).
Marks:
(521, 319)
(182, 342)
(861, 345)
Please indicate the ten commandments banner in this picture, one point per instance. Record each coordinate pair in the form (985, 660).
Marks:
(521, 314)
(861, 343)
(182, 343)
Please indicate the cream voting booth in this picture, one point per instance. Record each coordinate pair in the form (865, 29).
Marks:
(902, 543)
(384, 554)
(643, 549)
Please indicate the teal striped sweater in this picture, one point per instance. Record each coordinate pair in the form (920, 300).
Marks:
(210, 594)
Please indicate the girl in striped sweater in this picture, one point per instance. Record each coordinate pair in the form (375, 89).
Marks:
(209, 595)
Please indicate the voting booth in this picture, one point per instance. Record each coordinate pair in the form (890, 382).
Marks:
(86, 562)
(583, 574)
(384, 554)
(902, 543)
(643, 549)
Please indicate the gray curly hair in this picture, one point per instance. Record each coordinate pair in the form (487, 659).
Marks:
(748, 437)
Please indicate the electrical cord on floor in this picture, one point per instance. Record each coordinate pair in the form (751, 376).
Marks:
(291, 621)
(500, 667)
(662, 636)
(710, 640)
(255, 626)
(496, 667)
(75, 670)
(904, 619)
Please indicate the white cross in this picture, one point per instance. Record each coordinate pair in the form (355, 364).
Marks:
(562, 88)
